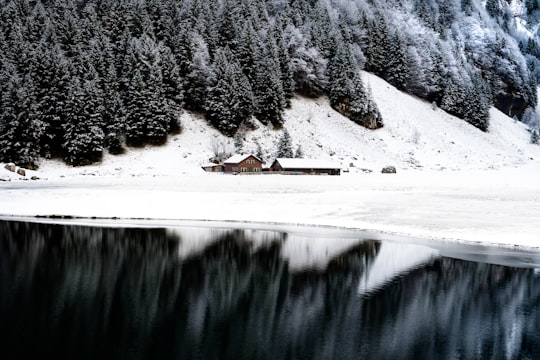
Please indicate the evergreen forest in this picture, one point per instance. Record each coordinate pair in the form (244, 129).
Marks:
(80, 77)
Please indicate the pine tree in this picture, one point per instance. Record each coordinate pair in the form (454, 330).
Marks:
(340, 71)
(477, 104)
(151, 109)
(396, 68)
(285, 146)
(377, 51)
(493, 8)
(535, 137)
(20, 130)
(363, 109)
(84, 137)
(230, 99)
(239, 142)
(52, 73)
(299, 152)
(287, 81)
(269, 97)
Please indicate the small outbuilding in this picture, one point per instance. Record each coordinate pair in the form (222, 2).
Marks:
(213, 168)
(243, 164)
(305, 166)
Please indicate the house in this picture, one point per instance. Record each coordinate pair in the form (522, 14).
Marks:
(305, 166)
(243, 164)
(213, 168)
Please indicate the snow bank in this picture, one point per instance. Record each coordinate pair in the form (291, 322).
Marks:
(453, 182)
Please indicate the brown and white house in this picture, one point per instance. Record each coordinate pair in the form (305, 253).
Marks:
(305, 166)
(243, 164)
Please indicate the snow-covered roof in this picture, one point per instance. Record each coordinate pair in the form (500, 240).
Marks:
(236, 158)
(288, 163)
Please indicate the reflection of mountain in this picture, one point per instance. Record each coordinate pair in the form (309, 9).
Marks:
(394, 259)
(79, 292)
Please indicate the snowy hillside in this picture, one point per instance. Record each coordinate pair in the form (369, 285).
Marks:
(454, 182)
(415, 136)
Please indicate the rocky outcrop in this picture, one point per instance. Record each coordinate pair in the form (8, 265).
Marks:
(10, 166)
(389, 170)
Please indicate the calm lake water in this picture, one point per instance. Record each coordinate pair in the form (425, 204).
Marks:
(83, 292)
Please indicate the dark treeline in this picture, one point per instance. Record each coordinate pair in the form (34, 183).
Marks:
(78, 77)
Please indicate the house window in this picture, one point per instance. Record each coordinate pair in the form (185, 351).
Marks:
(235, 169)
(255, 169)
(244, 169)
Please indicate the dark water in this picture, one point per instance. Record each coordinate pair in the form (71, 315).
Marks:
(123, 293)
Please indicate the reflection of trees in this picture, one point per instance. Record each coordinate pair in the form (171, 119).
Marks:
(124, 293)
(456, 309)
(81, 286)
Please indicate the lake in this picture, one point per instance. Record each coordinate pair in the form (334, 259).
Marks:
(219, 292)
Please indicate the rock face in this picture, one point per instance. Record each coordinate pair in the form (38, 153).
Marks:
(10, 167)
(21, 172)
(389, 170)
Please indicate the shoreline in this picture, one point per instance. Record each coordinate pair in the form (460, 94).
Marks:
(497, 208)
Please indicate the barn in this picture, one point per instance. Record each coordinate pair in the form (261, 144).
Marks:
(243, 164)
(305, 166)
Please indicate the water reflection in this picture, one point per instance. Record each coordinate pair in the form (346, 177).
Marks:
(88, 292)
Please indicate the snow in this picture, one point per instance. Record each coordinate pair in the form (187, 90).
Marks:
(287, 163)
(453, 181)
(237, 158)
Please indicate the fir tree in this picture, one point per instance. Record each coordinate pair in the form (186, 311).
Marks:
(340, 71)
(535, 137)
(285, 146)
(269, 97)
(84, 137)
(20, 130)
(287, 81)
(493, 8)
(230, 100)
(363, 109)
(299, 152)
(396, 69)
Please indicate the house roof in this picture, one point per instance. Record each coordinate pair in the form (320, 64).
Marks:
(237, 158)
(287, 163)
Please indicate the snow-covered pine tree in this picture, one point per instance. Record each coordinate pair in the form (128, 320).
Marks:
(284, 148)
(493, 8)
(299, 153)
(149, 113)
(195, 70)
(396, 68)
(307, 65)
(340, 72)
(84, 137)
(20, 129)
(287, 81)
(363, 109)
(477, 104)
(52, 73)
(535, 137)
(269, 97)
(230, 98)
(377, 49)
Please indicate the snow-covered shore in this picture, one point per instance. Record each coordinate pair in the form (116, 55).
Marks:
(495, 207)
(454, 182)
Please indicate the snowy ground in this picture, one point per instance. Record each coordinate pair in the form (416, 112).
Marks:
(453, 182)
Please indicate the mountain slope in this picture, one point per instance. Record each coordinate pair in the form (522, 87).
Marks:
(416, 136)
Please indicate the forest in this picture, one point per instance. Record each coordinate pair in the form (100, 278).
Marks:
(81, 77)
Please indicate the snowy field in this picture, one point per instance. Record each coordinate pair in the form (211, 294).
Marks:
(453, 182)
